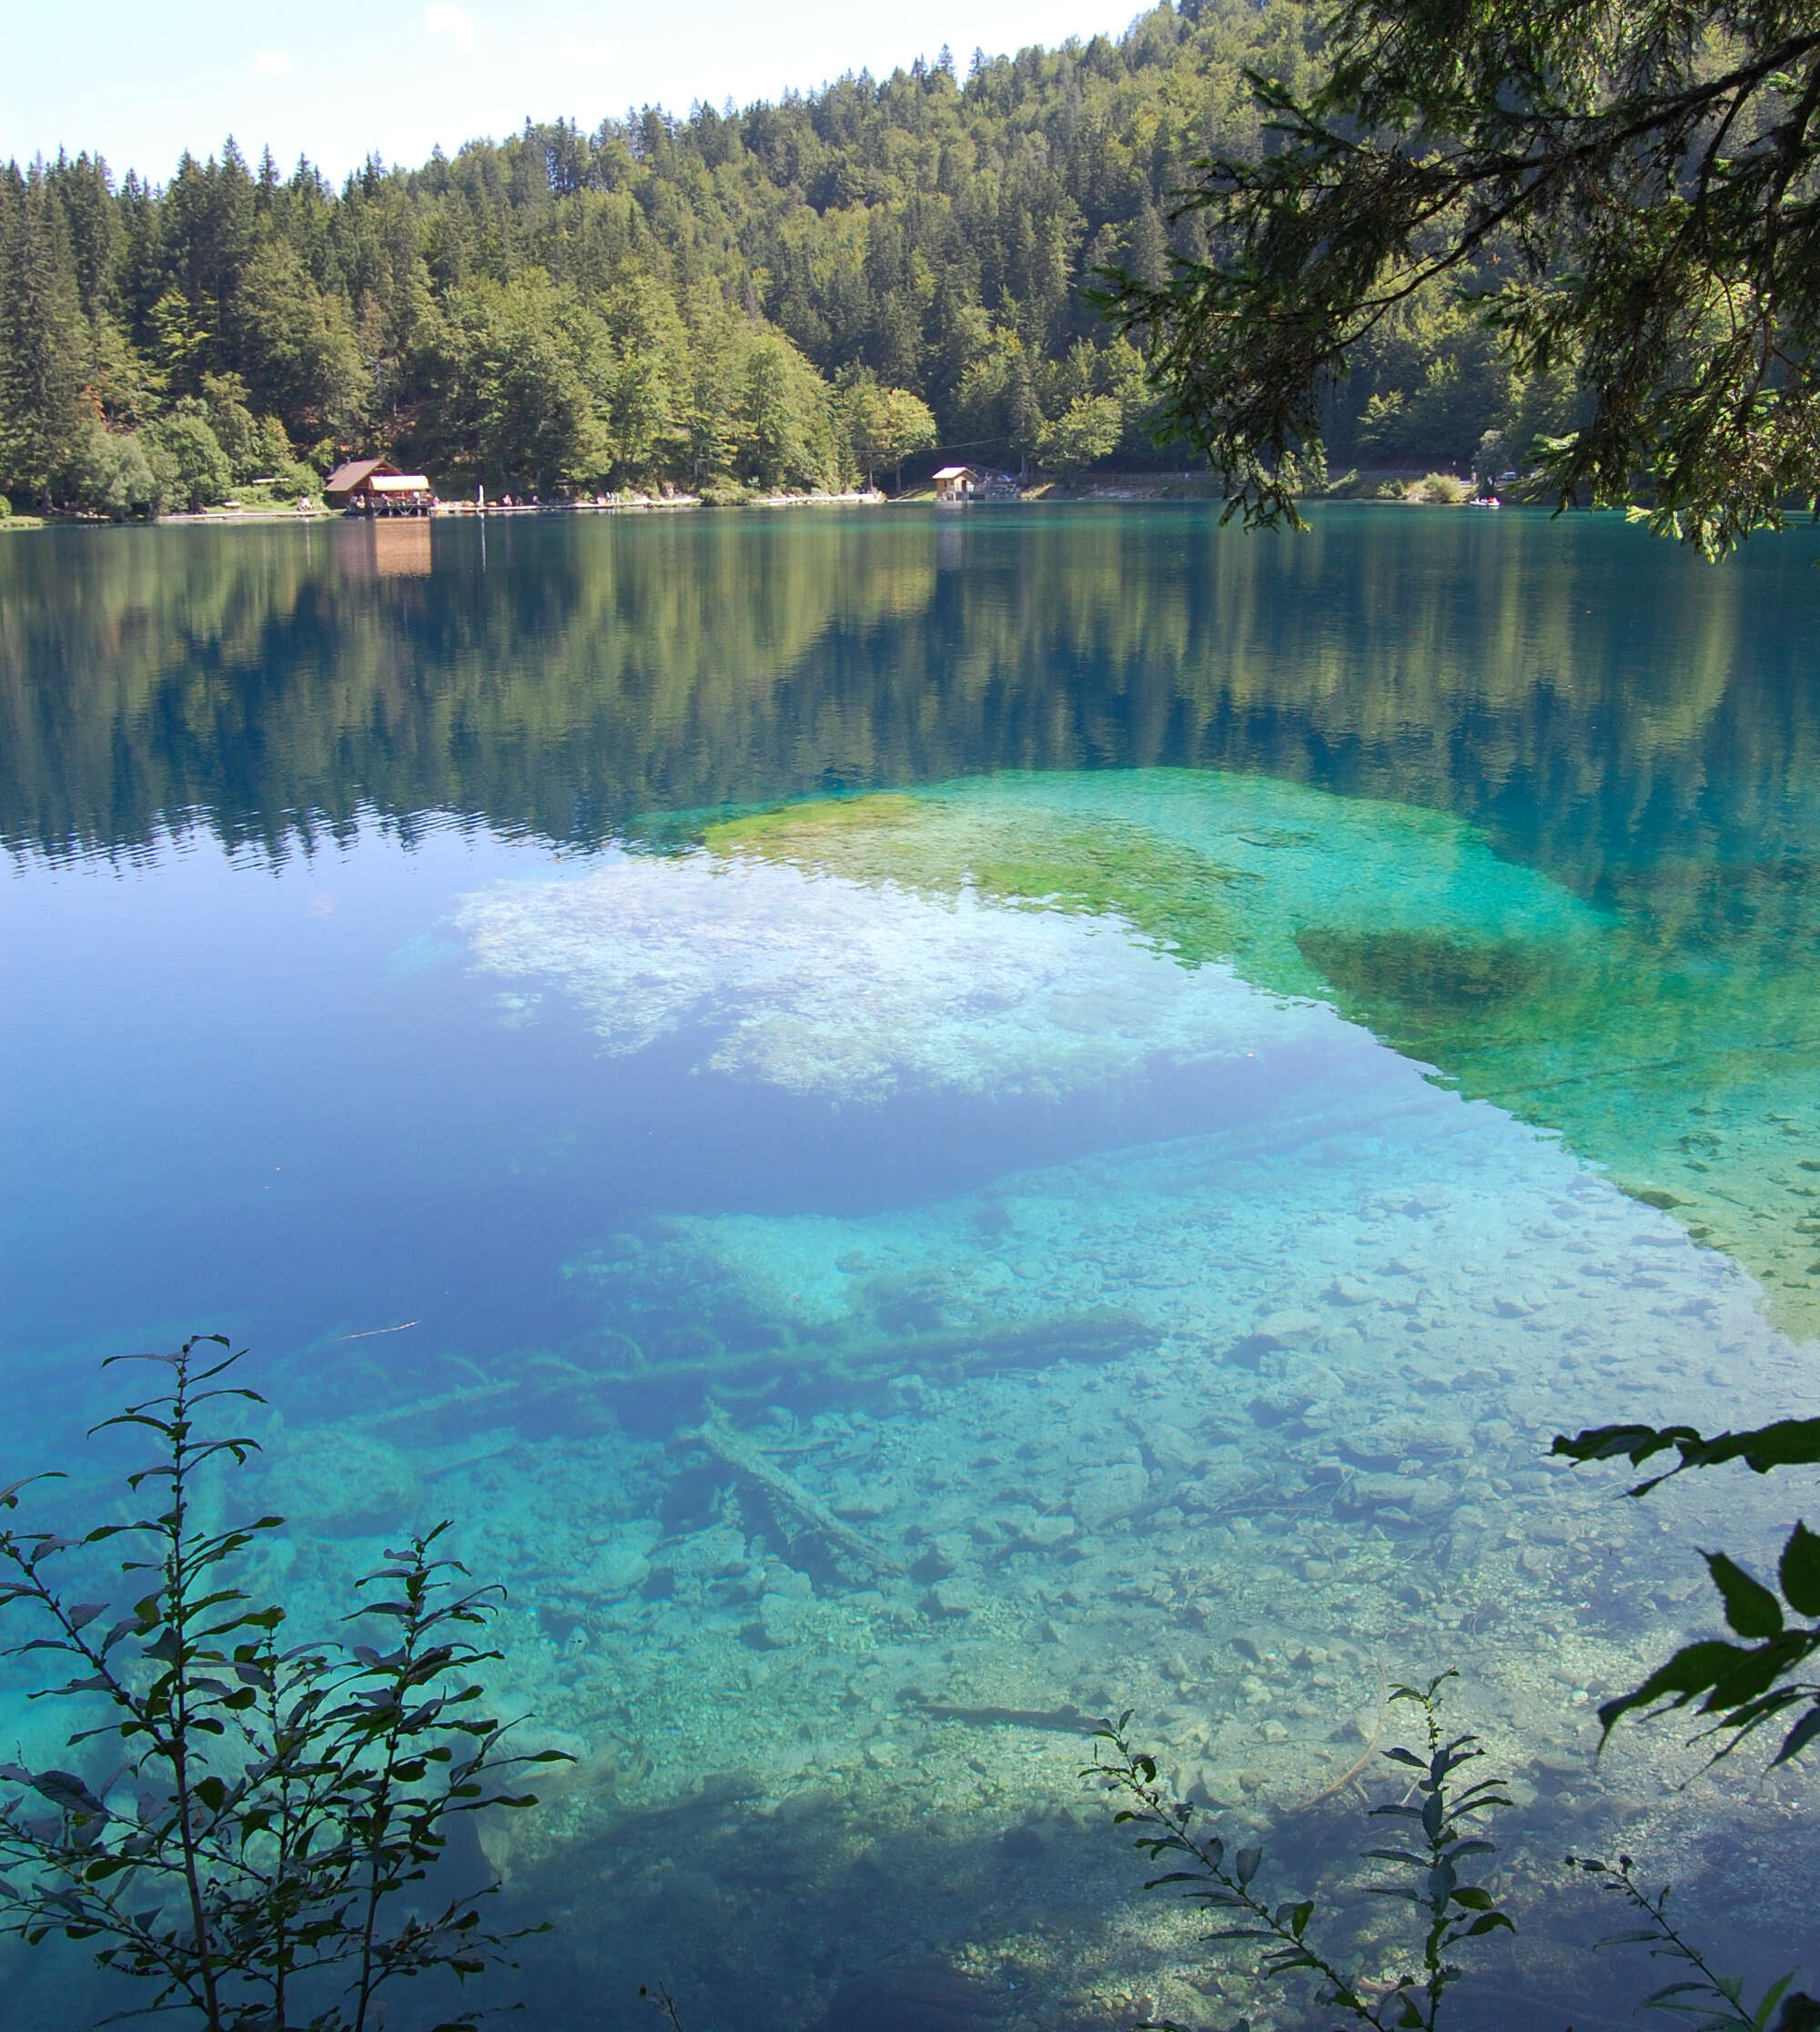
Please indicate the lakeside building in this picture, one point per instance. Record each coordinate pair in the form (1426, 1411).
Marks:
(374, 486)
(956, 485)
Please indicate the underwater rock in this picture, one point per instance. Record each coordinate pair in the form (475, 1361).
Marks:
(783, 1619)
(943, 1552)
(620, 1563)
(1384, 1442)
(1218, 1786)
(715, 1553)
(957, 1596)
(343, 1484)
(1173, 1451)
(1290, 1327)
(1106, 1494)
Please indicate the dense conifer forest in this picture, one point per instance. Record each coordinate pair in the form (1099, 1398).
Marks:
(803, 294)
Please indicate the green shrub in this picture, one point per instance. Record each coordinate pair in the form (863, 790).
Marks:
(1702, 1996)
(274, 1805)
(109, 474)
(1443, 1831)
(186, 456)
(1442, 1822)
(1443, 489)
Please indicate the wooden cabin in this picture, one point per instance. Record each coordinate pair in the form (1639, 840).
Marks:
(955, 484)
(375, 487)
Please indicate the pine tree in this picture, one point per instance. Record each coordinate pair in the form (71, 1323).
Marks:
(40, 340)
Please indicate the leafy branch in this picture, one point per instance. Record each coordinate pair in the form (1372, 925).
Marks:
(271, 1803)
(1626, 193)
(1709, 2001)
(1447, 1817)
(1744, 1686)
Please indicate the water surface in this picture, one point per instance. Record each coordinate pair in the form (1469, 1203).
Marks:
(925, 1126)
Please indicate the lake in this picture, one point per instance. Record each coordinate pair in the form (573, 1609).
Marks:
(928, 1126)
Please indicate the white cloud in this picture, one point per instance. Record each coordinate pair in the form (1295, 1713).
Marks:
(274, 63)
(442, 17)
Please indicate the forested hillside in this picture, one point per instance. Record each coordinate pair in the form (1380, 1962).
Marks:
(798, 294)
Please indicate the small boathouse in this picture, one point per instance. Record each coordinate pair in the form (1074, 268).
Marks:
(374, 486)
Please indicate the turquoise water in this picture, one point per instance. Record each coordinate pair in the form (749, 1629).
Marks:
(925, 1128)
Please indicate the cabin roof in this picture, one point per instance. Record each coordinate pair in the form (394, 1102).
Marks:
(957, 472)
(399, 483)
(346, 478)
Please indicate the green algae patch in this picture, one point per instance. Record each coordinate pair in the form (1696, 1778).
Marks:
(1433, 978)
(791, 831)
(1169, 893)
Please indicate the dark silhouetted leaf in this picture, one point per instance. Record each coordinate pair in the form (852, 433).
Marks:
(1798, 1737)
(1799, 1571)
(1750, 1608)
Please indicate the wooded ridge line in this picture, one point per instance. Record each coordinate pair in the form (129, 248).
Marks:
(806, 295)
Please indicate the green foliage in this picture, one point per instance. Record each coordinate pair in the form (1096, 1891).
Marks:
(880, 426)
(1742, 1686)
(693, 302)
(257, 1858)
(109, 474)
(1789, 1442)
(1086, 432)
(783, 425)
(1706, 2000)
(177, 342)
(1624, 196)
(193, 471)
(295, 343)
(1444, 1833)
(255, 446)
(1446, 489)
(41, 337)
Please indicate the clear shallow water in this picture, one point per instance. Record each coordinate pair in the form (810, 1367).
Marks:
(1146, 1156)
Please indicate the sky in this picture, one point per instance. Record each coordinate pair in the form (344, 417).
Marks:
(343, 78)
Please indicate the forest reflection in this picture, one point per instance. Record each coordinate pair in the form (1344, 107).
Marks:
(1641, 728)
(1603, 706)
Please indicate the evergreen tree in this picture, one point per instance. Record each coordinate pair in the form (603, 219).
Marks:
(41, 339)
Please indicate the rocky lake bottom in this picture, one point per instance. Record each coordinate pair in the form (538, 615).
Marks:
(1247, 1428)
(829, 1533)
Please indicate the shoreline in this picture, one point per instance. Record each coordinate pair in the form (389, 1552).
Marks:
(1112, 490)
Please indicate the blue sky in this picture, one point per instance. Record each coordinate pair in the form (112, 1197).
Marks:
(341, 78)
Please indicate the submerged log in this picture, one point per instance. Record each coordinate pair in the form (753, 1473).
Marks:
(949, 1356)
(1103, 1334)
(1063, 1721)
(727, 1443)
